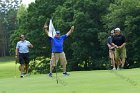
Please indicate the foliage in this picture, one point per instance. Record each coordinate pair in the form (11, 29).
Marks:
(40, 65)
(86, 48)
(8, 23)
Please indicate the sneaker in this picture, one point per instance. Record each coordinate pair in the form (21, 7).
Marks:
(21, 76)
(66, 74)
(118, 68)
(50, 74)
(114, 69)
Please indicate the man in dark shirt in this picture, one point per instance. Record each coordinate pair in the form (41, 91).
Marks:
(111, 49)
(119, 42)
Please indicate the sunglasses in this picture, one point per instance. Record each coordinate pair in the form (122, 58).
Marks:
(21, 37)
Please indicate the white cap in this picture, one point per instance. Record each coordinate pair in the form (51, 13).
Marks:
(117, 29)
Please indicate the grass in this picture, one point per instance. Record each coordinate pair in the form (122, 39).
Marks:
(98, 81)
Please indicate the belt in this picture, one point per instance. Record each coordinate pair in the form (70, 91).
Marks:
(56, 52)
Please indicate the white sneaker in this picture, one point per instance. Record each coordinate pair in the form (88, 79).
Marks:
(118, 68)
(21, 76)
(114, 69)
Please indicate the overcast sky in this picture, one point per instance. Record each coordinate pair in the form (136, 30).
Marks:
(26, 2)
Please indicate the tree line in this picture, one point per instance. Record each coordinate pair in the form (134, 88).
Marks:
(86, 48)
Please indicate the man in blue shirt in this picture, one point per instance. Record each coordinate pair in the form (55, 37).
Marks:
(22, 52)
(57, 49)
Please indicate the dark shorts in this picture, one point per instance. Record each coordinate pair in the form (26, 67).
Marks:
(24, 58)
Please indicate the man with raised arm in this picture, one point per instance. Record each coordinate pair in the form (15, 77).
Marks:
(22, 52)
(57, 49)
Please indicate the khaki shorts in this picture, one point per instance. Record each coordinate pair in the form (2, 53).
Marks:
(55, 57)
(111, 54)
(120, 53)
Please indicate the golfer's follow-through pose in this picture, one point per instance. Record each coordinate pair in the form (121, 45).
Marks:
(57, 49)
(22, 52)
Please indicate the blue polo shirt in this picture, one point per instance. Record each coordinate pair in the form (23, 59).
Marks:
(57, 43)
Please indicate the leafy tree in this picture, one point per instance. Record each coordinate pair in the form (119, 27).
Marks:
(8, 9)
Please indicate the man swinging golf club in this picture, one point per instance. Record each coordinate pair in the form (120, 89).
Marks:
(57, 49)
(22, 52)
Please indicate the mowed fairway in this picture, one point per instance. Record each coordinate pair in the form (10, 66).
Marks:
(98, 81)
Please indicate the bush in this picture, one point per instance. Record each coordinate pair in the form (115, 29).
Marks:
(39, 65)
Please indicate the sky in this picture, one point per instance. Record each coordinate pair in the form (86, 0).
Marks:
(26, 2)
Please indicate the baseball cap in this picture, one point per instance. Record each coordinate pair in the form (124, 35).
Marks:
(117, 29)
(57, 32)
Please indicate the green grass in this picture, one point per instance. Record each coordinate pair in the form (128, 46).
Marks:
(98, 81)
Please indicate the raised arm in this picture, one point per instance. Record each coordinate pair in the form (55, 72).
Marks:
(46, 28)
(30, 45)
(70, 31)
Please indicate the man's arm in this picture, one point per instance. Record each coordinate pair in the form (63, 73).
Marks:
(46, 28)
(16, 54)
(30, 46)
(109, 46)
(70, 31)
(122, 45)
(114, 45)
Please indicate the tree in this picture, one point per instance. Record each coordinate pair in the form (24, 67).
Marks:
(8, 10)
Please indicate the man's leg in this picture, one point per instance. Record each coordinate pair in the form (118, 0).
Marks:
(113, 63)
(112, 56)
(113, 60)
(123, 62)
(64, 68)
(117, 59)
(63, 63)
(21, 70)
(26, 68)
(51, 66)
(21, 61)
(53, 62)
(27, 61)
(123, 56)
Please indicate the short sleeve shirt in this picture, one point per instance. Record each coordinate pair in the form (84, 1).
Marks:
(23, 46)
(57, 43)
(109, 40)
(119, 40)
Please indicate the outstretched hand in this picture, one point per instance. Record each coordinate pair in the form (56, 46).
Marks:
(45, 26)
